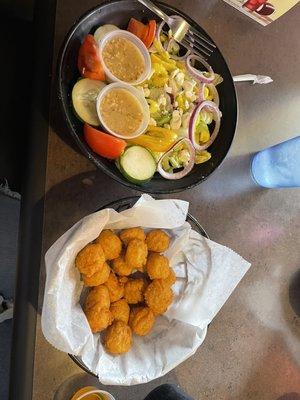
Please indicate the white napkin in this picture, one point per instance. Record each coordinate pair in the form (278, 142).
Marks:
(207, 273)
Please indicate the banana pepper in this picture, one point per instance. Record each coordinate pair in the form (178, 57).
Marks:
(168, 64)
(160, 75)
(165, 56)
(158, 46)
(180, 65)
(202, 132)
(155, 139)
(202, 156)
(153, 107)
(182, 102)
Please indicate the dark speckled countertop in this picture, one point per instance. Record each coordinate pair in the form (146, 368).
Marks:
(252, 347)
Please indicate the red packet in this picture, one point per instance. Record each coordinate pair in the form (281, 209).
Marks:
(263, 11)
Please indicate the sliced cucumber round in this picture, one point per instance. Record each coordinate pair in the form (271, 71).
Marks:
(84, 96)
(137, 165)
(103, 30)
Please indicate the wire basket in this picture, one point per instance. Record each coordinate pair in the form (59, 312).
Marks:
(121, 205)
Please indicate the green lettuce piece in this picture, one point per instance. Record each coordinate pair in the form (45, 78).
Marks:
(206, 117)
(163, 119)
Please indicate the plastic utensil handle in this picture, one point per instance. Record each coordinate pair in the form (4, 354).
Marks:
(243, 78)
(152, 7)
(252, 78)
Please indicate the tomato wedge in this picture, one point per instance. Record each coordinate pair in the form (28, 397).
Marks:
(148, 40)
(89, 64)
(138, 28)
(144, 32)
(102, 143)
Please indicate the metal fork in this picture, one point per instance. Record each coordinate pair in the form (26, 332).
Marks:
(183, 32)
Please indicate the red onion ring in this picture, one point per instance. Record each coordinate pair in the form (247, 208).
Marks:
(192, 124)
(197, 74)
(186, 169)
(168, 43)
(215, 94)
(201, 91)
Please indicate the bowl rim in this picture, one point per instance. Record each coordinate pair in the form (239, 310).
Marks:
(93, 156)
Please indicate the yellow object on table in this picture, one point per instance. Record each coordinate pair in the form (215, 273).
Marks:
(91, 393)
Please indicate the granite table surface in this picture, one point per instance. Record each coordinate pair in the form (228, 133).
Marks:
(252, 347)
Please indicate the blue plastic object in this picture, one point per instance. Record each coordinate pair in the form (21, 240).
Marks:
(278, 166)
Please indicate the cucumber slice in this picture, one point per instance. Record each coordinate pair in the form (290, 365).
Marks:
(137, 165)
(84, 96)
(103, 30)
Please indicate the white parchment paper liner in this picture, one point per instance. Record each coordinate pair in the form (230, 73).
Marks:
(207, 273)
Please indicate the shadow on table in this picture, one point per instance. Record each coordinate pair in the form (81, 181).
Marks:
(290, 396)
(221, 203)
(136, 392)
(77, 197)
(277, 366)
(290, 301)
(84, 193)
(58, 123)
(232, 180)
(294, 292)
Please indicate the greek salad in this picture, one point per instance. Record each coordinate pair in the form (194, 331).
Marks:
(180, 93)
